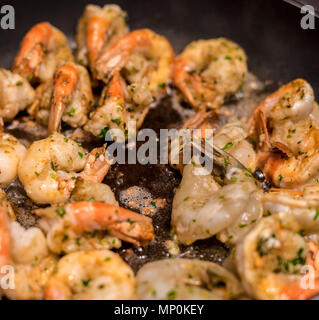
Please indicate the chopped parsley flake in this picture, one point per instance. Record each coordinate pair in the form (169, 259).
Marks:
(171, 295)
(227, 146)
(86, 282)
(104, 131)
(162, 85)
(60, 211)
(117, 121)
(71, 112)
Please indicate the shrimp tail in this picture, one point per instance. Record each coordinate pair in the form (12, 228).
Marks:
(57, 291)
(113, 60)
(125, 224)
(97, 28)
(4, 236)
(97, 165)
(27, 62)
(181, 77)
(66, 79)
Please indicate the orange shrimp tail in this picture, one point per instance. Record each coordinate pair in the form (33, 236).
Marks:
(270, 163)
(125, 224)
(296, 292)
(96, 167)
(1, 125)
(4, 236)
(56, 292)
(113, 60)
(65, 82)
(115, 89)
(27, 62)
(181, 78)
(191, 85)
(259, 127)
(97, 28)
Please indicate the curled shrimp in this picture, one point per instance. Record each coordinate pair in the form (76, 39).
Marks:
(153, 47)
(204, 206)
(16, 94)
(285, 127)
(51, 166)
(186, 279)
(67, 97)
(11, 153)
(42, 50)
(74, 226)
(209, 70)
(272, 257)
(25, 263)
(232, 138)
(98, 29)
(91, 275)
(136, 69)
(119, 105)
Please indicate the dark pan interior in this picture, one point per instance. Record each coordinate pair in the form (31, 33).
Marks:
(269, 30)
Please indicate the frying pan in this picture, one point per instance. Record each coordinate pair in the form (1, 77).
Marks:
(277, 47)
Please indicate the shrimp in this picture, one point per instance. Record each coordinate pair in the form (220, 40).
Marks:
(285, 127)
(136, 69)
(98, 29)
(51, 166)
(202, 208)
(118, 106)
(68, 97)
(271, 259)
(88, 190)
(25, 262)
(97, 166)
(74, 226)
(304, 205)
(209, 70)
(11, 153)
(91, 275)
(186, 279)
(143, 42)
(42, 50)
(16, 94)
(232, 138)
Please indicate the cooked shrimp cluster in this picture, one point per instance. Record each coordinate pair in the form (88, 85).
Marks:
(208, 71)
(260, 200)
